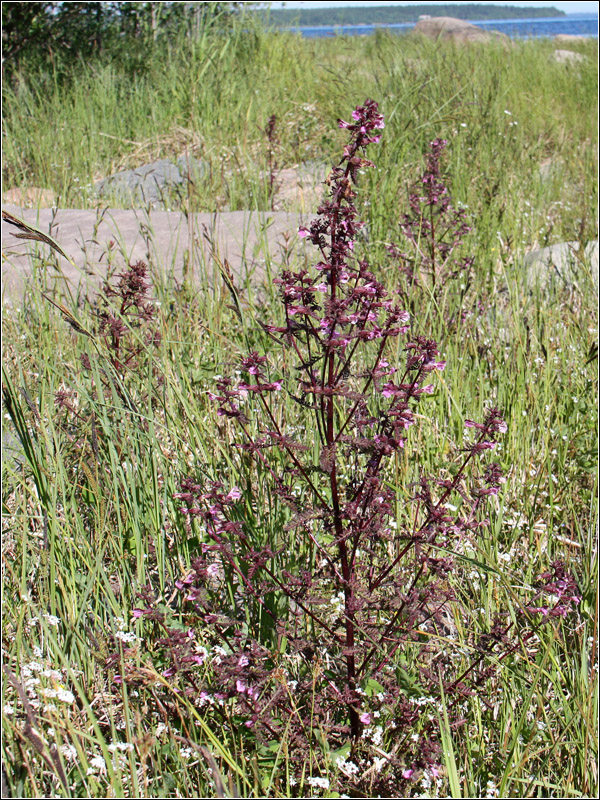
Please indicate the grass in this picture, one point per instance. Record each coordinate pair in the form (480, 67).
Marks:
(89, 515)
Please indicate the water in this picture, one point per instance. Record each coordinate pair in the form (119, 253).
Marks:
(574, 24)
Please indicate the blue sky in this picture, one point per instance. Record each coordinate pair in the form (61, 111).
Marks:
(571, 7)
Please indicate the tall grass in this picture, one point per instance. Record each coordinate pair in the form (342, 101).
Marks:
(89, 514)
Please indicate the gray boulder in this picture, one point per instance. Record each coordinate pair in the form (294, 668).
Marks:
(457, 30)
(150, 184)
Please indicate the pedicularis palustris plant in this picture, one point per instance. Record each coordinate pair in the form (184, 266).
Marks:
(358, 576)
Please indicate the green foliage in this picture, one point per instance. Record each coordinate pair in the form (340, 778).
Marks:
(65, 32)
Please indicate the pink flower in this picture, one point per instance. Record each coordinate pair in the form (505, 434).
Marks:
(470, 424)
(408, 773)
(429, 367)
(365, 718)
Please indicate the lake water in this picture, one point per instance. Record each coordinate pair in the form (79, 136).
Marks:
(574, 24)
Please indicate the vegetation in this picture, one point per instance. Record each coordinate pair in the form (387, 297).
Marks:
(394, 15)
(41, 32)
(168, 574)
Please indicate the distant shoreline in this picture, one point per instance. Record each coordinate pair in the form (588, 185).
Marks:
(398, 15)
(583, 26)
(472, 21)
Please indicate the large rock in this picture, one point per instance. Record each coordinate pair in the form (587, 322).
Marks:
(457, 29)
(161, 184)
(151, 184)
(299, 188)
(562, 264)
(567, 57)
(29, 197)
(569, 38)
(255, 244)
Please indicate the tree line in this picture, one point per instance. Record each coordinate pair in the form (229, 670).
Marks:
(391, 15)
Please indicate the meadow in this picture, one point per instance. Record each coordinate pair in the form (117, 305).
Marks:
(159, 638)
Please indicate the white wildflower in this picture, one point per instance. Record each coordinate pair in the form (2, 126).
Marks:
(97, 764)
(318, 783)
(126, 637)
(69, 751)
(124, 747)
(160, 729)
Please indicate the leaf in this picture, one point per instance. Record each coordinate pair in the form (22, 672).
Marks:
(33, 234)
(72, 320)
(448, 749)
(372, 687)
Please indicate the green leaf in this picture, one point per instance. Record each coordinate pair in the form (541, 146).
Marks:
(372, 687)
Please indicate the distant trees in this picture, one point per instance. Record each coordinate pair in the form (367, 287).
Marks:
(37, 31)
(390, 15)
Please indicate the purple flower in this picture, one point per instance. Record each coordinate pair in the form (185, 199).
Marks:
(356, 563)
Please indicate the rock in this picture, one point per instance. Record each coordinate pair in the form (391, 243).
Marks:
(300, 188)
(547, 168)
(150, 184)
(562, 264)
(567, 57)
(29, 197)
(297, 188)
(569, 38)
(256, 245)
(458, 30)
(190, 167)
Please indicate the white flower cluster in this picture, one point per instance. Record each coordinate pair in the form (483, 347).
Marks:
(347, 767)
(126, 636)
(97, 766)
(64, 695)
(318, 783)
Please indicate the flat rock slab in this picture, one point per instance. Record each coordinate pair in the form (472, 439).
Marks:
(255, 244)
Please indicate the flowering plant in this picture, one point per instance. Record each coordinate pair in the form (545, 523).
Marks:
(359, 575)
(435, 230)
